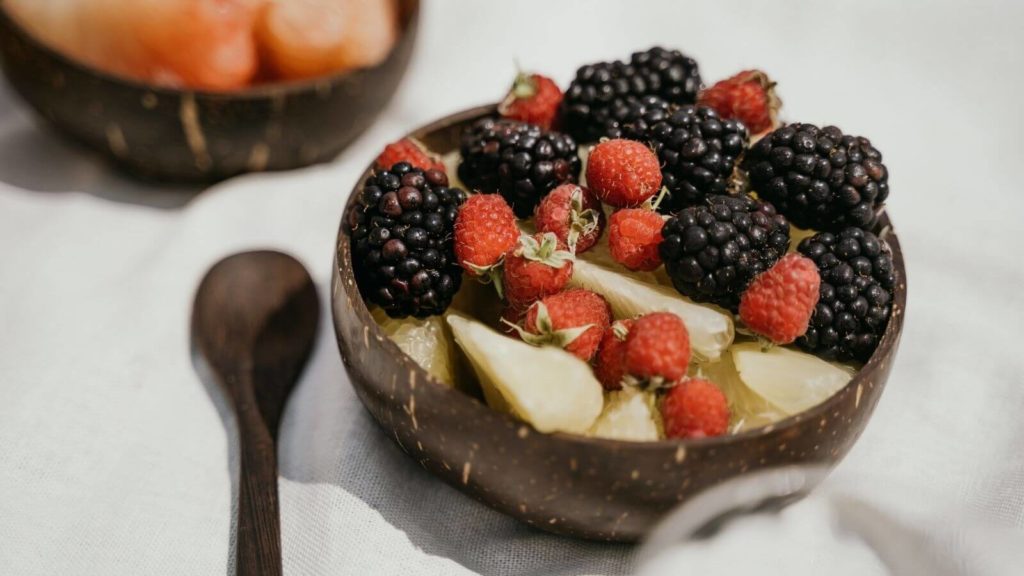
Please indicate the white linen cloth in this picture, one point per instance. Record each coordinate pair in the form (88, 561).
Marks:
(115, 458)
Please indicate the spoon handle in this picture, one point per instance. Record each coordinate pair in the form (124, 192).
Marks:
(259, 520)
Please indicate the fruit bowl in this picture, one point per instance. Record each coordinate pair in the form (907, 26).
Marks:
(199, 136)
(591, 488)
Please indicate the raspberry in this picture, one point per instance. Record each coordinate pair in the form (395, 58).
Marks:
(623, 173)
(537, 266)
(410, 151)
(748, 97)
(779, 302)
(574, 320)
(657, 350)
(695, 408)
(609, 366)
(533, 99)
(634, 235)
(573, 214)
(484, 231)
(511, 318)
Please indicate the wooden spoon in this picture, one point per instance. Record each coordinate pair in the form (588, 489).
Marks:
(254, 320)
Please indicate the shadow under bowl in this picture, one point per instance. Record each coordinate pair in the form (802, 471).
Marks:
(183, 135)
(573, 485)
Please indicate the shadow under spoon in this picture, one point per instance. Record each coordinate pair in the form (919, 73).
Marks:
(254, 320)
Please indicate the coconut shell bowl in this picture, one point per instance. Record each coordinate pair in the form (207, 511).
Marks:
(579, 486)
(199, 136)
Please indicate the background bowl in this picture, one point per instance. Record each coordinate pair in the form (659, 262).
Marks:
(197, 136)
(587, 487)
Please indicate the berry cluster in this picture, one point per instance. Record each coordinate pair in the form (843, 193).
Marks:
(686, 199)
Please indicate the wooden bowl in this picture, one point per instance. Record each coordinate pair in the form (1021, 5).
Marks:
(586, 487)
(198, 136)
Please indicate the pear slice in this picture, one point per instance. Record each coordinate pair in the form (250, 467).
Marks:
(629, 414)
(790, 380)
(711, 331)
(451, 162)
(797, 235)
(426, 341)
(747, 409)
(546, 386)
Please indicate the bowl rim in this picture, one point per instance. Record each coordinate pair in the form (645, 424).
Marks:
(890, 338)
(408, 16)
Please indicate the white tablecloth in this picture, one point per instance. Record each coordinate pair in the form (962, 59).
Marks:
(115, 458)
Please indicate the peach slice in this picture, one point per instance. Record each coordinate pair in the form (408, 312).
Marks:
(308, 38)
(206, 44)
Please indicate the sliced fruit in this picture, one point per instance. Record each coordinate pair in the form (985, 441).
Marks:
(797, 235)
(546, 386)
(790, 380)
(451, 168)
(748, 410)
(205, 44)
(426, 341)
(307, 38)
(629, 414)
(711, 331)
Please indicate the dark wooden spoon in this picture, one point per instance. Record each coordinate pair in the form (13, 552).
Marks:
(254, 320)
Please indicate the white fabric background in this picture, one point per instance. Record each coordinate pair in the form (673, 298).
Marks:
(115, 458)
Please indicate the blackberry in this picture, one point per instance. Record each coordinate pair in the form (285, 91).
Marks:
(599, 89)
(820, 178)
(698, 151)
(857, 279)
(402, 230)
(714, 250)
(521, 161)
(631, 118)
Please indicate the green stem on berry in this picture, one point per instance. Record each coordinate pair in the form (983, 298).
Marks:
(653, 204)
(523, 86)
(490, 275)
(546, 251)
(581, 221)
(546, 334)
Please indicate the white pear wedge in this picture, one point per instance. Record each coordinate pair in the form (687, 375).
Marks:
(546, 386)
(790, 380)
(748, 409)
(629, 414)
(426, 341)
(711, 331)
